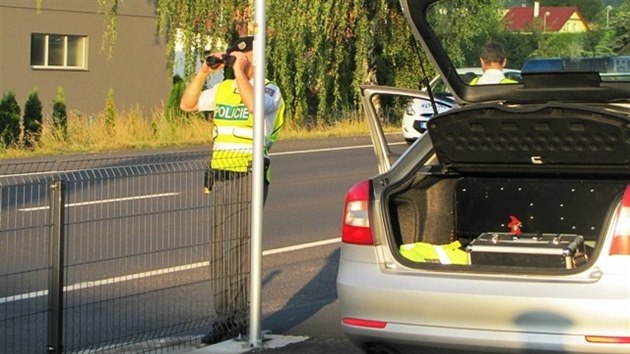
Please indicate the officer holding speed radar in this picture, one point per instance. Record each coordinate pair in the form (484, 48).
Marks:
(229, 179)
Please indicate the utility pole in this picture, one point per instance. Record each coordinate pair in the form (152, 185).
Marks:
(255, 303)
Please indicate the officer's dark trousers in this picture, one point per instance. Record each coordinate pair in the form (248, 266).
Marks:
(230, 242)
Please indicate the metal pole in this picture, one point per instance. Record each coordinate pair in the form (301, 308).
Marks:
(1, 204)
(255, 333)
(55, 279)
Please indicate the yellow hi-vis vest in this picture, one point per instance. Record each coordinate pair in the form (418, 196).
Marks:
(429, 253)
(232, 148)
(505, 80)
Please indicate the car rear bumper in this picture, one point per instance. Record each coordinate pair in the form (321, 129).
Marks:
(435, 311)
(407, 338)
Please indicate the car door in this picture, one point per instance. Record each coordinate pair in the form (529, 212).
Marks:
(375, 110)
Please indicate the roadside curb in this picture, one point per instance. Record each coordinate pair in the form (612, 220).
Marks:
(241, 345)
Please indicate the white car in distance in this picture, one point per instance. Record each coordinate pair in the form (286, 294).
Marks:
(418, 111)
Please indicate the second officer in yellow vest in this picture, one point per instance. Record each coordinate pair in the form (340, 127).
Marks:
(493, 59)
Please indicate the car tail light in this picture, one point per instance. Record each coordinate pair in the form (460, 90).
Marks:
(605, 339)
(356, 222)
(363, 323)
(621, 238)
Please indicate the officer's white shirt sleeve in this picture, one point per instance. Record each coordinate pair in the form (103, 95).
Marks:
(273, 98)
(206, 99)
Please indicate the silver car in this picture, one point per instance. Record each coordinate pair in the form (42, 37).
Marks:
(506, 227)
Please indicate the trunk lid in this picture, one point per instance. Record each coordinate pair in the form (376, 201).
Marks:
(536, 139)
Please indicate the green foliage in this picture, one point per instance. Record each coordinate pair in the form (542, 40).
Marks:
(32, 119)
(600, 40)
(518, 47)
(320, 52)
(463, 38)
(177, 91)
(110, 8)
(110, 113)
(60, 115)
(325, 50)
(620, 27)
(590, 9)
(560, 45)
(200, 25)
(9, 119)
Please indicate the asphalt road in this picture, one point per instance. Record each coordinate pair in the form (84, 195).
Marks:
(301, 229)
(308, 185)
(305, 205)
(301, 246)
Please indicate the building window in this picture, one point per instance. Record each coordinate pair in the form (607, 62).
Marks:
(58, 51)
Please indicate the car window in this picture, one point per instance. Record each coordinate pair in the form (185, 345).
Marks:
(609, 68)
(532, 37)
(440, 87)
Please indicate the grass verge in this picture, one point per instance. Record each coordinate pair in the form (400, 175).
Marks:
(133, 130)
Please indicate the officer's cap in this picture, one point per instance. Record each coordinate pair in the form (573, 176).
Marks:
(243, 44)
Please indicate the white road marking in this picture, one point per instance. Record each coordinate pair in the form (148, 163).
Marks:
(123, 278)
(31, 174)
(301, 246)
(296, 152)
(101, 201)
(271, 154)
(152, 273)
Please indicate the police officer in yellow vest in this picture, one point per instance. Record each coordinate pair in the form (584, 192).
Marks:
(232, 104)
(493, 60)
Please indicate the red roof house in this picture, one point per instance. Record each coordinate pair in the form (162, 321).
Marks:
(544, 18)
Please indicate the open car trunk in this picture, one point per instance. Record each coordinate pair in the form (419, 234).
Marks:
(513, 190)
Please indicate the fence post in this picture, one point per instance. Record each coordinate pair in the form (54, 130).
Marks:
(55, 279)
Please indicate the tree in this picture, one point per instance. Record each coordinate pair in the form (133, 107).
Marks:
(177, 91)
(32, 119)
(325, 50)
(620, 28)
(462, 39)
(110, 8)
(60, 115)
(200, 25)
(319, 55)
(9, 119)
(560, 45)
(312, 56)
(110, 112)
(320, 52)
(590, 9)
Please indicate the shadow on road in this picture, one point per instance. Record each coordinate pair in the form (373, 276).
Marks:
(320, 291)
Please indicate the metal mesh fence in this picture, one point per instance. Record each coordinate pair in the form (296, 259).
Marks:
(137, 255)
